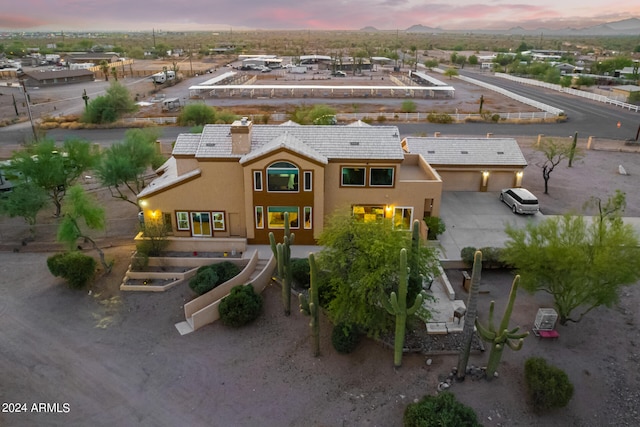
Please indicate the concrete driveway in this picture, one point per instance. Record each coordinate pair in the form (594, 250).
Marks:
(476, 219)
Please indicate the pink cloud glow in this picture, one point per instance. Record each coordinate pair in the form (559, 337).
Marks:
(142, 15)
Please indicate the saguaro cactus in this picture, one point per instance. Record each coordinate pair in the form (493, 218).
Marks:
(470, 317)
(282, 252)
(397, 305)
(311, 306)
(501, 336)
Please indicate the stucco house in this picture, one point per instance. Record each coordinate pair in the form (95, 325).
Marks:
(471, 164)
(238, 180)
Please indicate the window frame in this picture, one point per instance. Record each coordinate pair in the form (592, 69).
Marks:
(221, 214)
(308, 209)
(259, 223)
(393, 176)
(257, 181)
(282, 167)
(364, 177)
(307, 175)
(191, 214)
(393, 217)
(280, 209)
(180, 221)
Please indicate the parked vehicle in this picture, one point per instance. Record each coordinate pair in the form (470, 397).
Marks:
(340, 74)
(520, 200)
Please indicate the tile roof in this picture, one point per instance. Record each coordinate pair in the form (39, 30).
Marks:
(168, 178)
(467, 151)
(285, 140)
(330, 142)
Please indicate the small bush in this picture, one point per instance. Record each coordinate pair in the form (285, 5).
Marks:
(436, 227)
(439, 118)
(196, 114)
(210, 276)
(381, 119)
(345, 337)
(241, 306)
(442, 410)
(76, 268)
(300, 272)
(548, 386)
(408, 106)
(467, 253)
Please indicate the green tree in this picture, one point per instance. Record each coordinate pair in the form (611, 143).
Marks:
(408, 106)
(123, 166)
(53, 168)
(25, 200)
(583, 264)
(431, 63)
(110, 107)
(81, 209)
(554, 152)
(451, 73)
(197, 114)
(322, 114)
(362, 260)
(473, 60)
(104, 67)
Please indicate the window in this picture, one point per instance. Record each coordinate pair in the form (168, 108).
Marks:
(368, 213)
(308, 181)
(353, 176)
(402, 218)
(282, 176)
(257, 180)
(275, 215)
(218, 221)
(182, 220)
(166, 220)
(307, 217)
(201, 223)
(259, 217)
(381, 177)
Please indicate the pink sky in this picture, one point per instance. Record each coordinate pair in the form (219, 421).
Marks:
(143, 15)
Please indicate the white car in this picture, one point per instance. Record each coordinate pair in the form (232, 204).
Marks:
(520, 200)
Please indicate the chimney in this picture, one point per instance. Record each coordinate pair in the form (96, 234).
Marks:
(241, 136)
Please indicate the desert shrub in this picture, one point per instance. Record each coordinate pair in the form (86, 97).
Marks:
(241, 306)
(548, 386)
(439, 118)
(204, 280)
(408, 106)
(196, 114)
(210, 276)
(436, 227)
(326, 291)
(226, 117)
(76, 268)
(381, 119)
(345, 337)
(300, 272)
(441, 410)
(467, 253)
(492, 257)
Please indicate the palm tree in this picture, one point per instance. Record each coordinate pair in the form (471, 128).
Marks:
(104, 67)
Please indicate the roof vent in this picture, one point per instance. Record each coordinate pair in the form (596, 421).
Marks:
(354, 143)
(500, 152)
(464, 152)
(210, 144)
(431, 152)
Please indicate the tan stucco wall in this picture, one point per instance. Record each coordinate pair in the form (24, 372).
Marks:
(466, 179)
(218, 189)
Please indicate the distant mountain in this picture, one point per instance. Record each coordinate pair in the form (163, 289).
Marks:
(626, 27)
(369, 29)
(422, 29)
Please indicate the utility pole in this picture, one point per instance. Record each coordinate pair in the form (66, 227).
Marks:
(26, 98)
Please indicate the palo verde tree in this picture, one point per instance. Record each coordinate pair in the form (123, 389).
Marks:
(25, 200)
(554, 152)
(361, 260)
(52, 168)
(123, 166)
(109, 107)
(81, 209)
(582, 263)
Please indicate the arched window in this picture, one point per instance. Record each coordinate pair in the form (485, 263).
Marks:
(282, 176)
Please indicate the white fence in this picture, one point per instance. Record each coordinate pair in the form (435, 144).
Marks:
(417, 117)
(575, 92)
